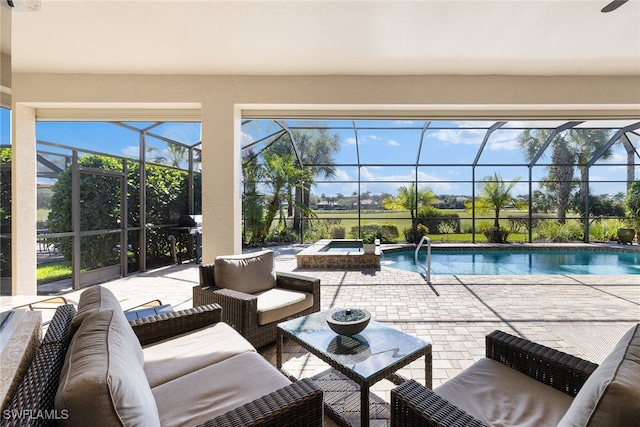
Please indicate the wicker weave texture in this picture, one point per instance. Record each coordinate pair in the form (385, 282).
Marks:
(296, 405)
(240, 310)
(166, 325)
(415, 405)
(38, 387)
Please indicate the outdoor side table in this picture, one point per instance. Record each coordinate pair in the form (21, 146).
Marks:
(366, 358)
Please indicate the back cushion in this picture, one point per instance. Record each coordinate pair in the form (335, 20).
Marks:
(611, 395)
(248, 273)
(102, 381)
(94, 299)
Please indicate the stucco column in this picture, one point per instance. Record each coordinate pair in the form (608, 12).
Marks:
(24, 197)
(221, 202)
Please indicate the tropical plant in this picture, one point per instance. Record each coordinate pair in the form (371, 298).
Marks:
(411, 199)
(276, 176)
(632, 204)
(574, 147)
(315, 150)
(495, 195)
(5, 212)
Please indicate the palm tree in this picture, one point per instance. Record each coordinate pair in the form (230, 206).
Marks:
(410, 200)
(316, 149)
(495, 195)
(278, 174)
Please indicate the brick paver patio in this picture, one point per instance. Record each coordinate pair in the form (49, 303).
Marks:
(581, 314)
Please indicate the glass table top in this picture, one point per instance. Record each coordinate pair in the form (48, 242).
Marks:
(373, 350)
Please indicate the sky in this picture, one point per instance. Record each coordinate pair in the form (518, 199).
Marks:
(386, 149)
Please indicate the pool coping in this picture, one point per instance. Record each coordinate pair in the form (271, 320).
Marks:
(452, 247)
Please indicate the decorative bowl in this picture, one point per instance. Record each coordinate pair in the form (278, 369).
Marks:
(349, 321)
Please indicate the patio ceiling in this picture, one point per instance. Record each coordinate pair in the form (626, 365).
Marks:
(529, 37)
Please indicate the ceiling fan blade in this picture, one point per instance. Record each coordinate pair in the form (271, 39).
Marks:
(613, 5)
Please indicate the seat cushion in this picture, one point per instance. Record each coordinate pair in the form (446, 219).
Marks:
(248, 273)
(277, 304)
(611, 394)
(212, 391)
(102, 381)
(94, 299)
(182, 354)
(501, 396)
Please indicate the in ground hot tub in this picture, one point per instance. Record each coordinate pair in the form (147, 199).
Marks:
(345, 254)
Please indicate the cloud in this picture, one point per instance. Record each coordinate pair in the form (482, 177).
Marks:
(458, 136)
(394, 143)
(131, 151)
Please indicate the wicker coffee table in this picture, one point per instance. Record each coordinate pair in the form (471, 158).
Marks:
(366, 358)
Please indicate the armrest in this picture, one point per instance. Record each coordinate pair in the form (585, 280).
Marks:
(555, 368)
(297, 282)
(240, 310)
(298, 404)
(414, 405)
(161, 326)
(206, 274)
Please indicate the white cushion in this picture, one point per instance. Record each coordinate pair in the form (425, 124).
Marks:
(102, 381)
(182, 354)
(611, 394)
(212, 391)
(277, 304)
(501, 396)
(248, 273)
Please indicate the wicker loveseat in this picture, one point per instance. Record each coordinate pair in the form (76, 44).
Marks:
(178, 369)
(254, 297)
(521, 383)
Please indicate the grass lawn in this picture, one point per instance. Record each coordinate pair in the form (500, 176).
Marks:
(53, 271)
(402, 220)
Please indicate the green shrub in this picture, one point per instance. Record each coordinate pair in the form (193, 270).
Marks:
(337, 231)
(605, 230)
(556, 232)
(166, 201)
(387, 233)
(421, 231)
(496, 235)
(437, 221)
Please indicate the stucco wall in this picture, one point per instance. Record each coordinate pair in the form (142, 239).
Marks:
(223, 99)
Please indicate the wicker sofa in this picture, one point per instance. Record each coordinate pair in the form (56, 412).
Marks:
(521, 383)
(254, 297)
(178, 369)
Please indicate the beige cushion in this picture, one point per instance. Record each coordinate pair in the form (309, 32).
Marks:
(209, 392)
(93, 299)
(248, 273)
(102, 382)
(611, 395)
(277, 304)
(182, 354)
(501, 396)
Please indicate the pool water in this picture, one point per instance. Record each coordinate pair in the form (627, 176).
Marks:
(518, 262)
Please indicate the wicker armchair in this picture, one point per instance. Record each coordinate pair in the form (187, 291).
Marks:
(240, 310)
(412, 404)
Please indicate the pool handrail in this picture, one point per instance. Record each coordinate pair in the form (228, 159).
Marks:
(427, 268)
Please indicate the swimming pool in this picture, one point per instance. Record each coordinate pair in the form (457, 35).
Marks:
(518, 262)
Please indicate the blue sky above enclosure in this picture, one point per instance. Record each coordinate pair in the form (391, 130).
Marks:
(383, 154)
